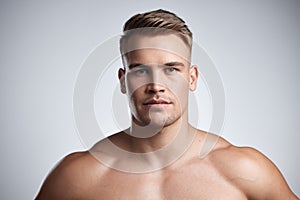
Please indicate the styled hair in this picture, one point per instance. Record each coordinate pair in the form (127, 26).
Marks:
(156, 22)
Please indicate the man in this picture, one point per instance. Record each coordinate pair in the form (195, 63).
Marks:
(158, 156)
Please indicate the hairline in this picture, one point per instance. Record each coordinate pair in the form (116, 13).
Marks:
(187, 42)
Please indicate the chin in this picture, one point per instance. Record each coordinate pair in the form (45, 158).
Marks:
(159, 121)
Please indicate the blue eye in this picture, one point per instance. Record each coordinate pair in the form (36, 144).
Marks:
(171, 70)
(140, 72)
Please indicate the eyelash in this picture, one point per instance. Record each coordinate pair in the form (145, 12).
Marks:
(171, 68)
(138, 72)
(143, 71)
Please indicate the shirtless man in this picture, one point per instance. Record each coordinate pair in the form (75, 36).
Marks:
(158, 157)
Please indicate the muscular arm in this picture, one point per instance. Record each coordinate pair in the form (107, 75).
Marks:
(62, 182)
(256, 175)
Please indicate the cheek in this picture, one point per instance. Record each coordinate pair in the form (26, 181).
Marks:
(179, 86)
(134, 84)
(180, 91)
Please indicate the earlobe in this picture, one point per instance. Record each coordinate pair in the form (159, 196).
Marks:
(193, 77)
(121, 76)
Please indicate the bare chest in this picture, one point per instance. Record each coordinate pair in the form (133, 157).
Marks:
(184, 184)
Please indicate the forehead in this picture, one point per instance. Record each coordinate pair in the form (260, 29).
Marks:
(156, 49)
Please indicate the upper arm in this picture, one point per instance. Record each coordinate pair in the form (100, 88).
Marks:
(259, 178)
(60, 183)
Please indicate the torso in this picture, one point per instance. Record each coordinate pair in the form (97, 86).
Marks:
(191, 182)
(226, 172)
(192, 178)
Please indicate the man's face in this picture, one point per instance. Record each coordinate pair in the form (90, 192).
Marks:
(157, 79)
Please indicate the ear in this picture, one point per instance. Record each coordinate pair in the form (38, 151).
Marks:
(193, 77)
(121, 75)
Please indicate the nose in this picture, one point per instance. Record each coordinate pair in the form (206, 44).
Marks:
(153, 88)
(155, 84)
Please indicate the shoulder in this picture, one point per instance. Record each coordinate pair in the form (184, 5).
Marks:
(250, 171)
(71, 176)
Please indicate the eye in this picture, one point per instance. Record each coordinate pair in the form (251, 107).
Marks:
(140, 72)
(171, 70)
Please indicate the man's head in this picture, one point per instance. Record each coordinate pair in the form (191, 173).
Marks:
(156, 22)
(157, 76)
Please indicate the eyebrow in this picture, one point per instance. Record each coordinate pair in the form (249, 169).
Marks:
(133, 65)
(169, 64)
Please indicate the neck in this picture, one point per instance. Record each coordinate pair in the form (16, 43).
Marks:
(140, 155)
(149, 139)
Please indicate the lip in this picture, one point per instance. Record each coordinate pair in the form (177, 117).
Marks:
(156, 103)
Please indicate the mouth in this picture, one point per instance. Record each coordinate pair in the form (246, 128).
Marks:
(156, 103)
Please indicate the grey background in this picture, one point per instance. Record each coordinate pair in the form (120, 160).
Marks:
(254, 44)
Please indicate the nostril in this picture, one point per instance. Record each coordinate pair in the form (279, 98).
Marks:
(152, 92)
(152, 89)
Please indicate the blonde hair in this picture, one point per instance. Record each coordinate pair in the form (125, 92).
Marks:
(154, 23)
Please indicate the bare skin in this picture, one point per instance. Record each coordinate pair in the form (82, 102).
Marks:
(227, 172)
(157, 84)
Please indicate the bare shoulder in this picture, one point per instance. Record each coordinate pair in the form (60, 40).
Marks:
(250, 171)
(70, 177)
